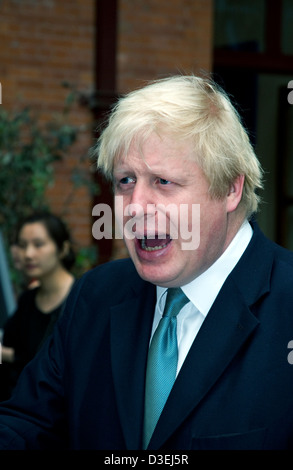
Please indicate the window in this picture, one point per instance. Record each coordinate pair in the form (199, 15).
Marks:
(240, 25)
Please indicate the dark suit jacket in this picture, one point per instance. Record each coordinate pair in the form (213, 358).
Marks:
(85, 389)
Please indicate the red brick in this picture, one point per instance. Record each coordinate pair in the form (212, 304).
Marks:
(45, 43)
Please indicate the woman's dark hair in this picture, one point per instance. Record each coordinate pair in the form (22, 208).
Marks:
(57, 230)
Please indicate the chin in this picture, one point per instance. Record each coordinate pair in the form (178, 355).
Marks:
(157, 267)
(157, 276)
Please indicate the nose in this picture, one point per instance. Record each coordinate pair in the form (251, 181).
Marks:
(29, 251)
(142, 201)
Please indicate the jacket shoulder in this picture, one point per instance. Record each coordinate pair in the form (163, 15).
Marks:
(107, 283)
(117, 272)
(283, 254)
(268, 248)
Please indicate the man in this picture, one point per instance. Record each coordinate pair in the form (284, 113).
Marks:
(169, 148)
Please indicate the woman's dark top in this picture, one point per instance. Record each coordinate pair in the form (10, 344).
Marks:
(25, 331)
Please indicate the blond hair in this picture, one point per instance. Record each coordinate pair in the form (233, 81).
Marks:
(186, 107)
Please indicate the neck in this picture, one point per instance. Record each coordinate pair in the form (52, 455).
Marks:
(236, 220)
(55, 282)
(53, 289)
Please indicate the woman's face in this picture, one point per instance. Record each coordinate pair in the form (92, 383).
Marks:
(38, 253)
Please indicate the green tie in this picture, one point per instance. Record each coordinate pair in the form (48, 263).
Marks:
(162, 362)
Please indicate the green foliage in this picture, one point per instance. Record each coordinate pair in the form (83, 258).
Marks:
(28, 151)
(86, 258)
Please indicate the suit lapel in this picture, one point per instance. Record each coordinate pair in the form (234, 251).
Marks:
(228, 325)
(225, 329)
(131, 323)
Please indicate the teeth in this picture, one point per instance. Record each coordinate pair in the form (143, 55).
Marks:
(151, 248)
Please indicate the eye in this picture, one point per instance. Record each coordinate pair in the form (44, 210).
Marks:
(21, 245)
(126, 180)
(39, 243)
(163, 181)
(124, 183)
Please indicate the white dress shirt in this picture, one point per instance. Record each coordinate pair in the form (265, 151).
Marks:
(202, 293)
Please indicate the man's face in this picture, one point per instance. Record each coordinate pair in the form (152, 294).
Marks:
(149, 179)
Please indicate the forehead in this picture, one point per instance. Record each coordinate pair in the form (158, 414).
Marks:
(33, 230)
(156, 152)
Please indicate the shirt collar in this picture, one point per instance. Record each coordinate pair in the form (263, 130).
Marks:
(203, 290)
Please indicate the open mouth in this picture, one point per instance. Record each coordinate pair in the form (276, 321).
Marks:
(156, 243)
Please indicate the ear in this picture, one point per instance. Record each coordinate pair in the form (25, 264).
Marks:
(65, 250)
(235, 193)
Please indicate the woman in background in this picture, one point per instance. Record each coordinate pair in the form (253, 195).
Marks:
(46, 256)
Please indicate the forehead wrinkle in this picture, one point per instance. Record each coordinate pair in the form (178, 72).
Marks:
(159, 147)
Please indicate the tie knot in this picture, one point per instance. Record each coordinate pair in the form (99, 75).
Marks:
(176, 299)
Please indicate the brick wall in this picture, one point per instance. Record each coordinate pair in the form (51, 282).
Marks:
(157, 38)
(46, 42)
(162, 37)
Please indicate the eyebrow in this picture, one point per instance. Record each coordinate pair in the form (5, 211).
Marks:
(122, 170)
(34, 240)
